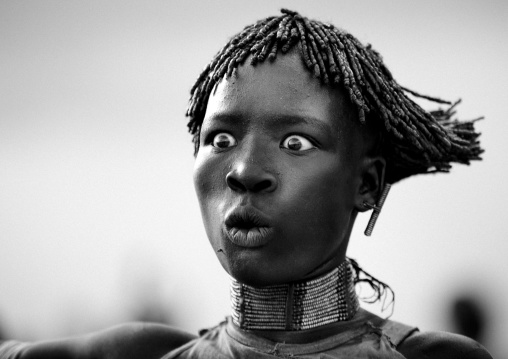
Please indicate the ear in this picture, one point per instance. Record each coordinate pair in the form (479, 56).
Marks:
(372, 179)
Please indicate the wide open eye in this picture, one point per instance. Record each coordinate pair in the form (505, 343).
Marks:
(297, 143)
(223, 140)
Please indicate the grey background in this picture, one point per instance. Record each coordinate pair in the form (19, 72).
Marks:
(98, 219)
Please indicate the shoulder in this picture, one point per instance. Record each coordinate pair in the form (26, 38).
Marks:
(137, 340)
(126, 341)
(441, 345)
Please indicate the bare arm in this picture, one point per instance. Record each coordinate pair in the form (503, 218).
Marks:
(127, 341)
(442, 345)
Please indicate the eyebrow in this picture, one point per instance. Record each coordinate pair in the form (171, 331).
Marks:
(294, 120)
(278, 121)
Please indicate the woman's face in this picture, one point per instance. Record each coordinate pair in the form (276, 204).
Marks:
(277, 173)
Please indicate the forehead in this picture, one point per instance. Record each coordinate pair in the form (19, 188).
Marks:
(282, 88)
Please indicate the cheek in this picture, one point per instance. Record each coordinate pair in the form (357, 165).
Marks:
(208, 176)
(330, 182)
(209, 179)
(323, 198)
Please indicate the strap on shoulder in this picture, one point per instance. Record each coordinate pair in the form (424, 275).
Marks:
(397, 332)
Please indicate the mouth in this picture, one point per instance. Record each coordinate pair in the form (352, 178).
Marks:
(247, 227)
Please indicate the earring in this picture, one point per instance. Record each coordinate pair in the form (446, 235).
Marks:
(376, 209)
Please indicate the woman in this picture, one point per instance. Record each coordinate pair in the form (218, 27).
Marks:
(297, 128)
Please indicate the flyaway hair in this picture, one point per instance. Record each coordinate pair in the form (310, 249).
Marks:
(381, 291)
(414, 141)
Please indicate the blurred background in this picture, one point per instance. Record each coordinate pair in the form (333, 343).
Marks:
(98, 220)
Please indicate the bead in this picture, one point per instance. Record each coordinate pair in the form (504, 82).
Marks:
(320, 301)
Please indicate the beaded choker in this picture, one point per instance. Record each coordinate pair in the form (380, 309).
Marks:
(296, 306)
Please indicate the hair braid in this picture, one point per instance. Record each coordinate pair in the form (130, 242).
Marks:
(414, 141)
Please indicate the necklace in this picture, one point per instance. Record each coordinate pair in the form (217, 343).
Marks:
(296, 306)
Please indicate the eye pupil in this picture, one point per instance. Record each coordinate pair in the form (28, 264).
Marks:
(223, 140)
(294, 143)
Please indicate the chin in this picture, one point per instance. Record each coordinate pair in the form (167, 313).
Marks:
(259, 275)
(257, 279)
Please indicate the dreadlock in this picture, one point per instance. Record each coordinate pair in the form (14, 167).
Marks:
(381, 291)
(414, 141)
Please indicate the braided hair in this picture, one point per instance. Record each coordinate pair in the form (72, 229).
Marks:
(414, 141)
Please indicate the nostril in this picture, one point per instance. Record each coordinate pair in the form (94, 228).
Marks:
(262, 185)
(251, 181)
(235, 184)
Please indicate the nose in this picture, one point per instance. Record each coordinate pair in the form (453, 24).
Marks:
(248, 176)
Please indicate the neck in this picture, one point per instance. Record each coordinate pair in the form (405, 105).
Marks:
(296, 306)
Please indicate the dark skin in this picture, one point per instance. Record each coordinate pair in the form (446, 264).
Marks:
(127, 341)
(152, 341)
(276, 143)
(288, 151)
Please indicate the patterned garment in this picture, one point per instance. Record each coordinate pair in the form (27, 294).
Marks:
(364, 336)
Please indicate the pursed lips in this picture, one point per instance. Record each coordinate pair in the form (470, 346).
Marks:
(247, 227)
